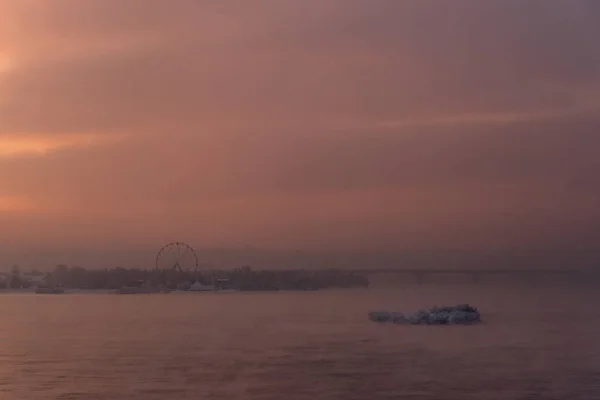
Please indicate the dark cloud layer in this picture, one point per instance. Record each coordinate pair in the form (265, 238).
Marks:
(388, 60)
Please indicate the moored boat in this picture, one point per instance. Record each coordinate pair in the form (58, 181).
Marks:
(140, 290)
(49, 291)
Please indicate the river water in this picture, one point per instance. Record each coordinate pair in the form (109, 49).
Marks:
(536, 342)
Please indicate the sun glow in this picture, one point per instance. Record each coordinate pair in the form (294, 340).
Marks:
(5, 64)
(35, 145)
(12, 203)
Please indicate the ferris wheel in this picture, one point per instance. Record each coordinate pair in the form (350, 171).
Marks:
(177, 256)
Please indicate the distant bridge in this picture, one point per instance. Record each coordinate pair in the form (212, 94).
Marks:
(476, 275)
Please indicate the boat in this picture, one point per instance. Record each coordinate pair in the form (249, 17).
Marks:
(198, 287)
(141, 287)
(133, 290)
(49, 291)
(140, 290)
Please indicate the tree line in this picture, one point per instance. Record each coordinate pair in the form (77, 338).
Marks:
(244, 278)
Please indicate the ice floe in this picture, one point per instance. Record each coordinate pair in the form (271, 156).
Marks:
(463, 314)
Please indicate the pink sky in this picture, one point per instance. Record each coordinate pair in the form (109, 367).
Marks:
(283, 124)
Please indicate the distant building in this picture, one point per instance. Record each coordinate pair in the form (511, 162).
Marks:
(222, 283)
(4, 279)
(34, 278)
(199, 287)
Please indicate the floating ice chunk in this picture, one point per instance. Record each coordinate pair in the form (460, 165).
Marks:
(460, 314)
(380, 316)
(419, 317)
(386, 316)
(398, 318)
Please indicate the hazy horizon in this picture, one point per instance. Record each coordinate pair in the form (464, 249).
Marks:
(145, 257)
(335, 127)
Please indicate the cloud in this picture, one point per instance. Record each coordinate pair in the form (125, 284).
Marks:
(330, 123)
(298, 61)
(35, 145)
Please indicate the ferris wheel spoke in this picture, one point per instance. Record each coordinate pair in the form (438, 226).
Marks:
(177, 256)
(184, 252)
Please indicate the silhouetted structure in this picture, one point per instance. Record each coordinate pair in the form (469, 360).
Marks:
(244, 278)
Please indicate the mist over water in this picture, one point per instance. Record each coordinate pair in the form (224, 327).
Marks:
(286, 135)
(537, 341)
